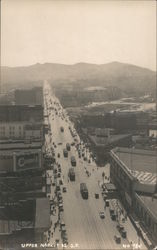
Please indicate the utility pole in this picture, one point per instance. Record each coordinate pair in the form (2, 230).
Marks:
(0, 54)
(103, 176)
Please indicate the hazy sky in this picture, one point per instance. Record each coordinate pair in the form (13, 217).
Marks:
(78, 31)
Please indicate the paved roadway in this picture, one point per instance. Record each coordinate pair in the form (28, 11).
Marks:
(85, 228)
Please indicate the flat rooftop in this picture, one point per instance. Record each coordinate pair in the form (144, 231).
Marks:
(103, 141)
(141, 163)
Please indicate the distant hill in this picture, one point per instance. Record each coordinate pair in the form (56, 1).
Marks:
(125, 76)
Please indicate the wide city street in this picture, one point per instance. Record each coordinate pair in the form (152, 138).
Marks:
(79, 223)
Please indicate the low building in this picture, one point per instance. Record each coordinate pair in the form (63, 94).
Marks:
(26, 223)
(21, 122)
(21, 113)
(146, 209)
(21, 131)
(32, 96)
(103, 142)
(127, 121)
(133, 171)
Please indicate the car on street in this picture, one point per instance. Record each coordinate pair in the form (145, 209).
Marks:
(58, 188)
(102, 215)
(68, 146)
(59, 170)
(64, 190)
(104, 197)
(55, 176)
(96, 196)
(62, 224)
(59, 194)
(62, 129)
(73, 161)
(65, 242)
(63, 229)
(60, 202)
(123, 233)
(61, 207)
(113, 216)
(121, 230)
(60, 182)
(60, 199)
(64, 235)
(58, 155)
(117, 239)
(107, 203)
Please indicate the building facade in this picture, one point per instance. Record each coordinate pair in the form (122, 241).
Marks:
(134, 174)
(32, 96)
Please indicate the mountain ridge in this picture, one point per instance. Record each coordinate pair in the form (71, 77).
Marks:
(78, 63)
(125, 76)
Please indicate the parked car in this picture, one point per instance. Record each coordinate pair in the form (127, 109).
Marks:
(64, 189)
(123, 233)
(62, 224)
(113, 216)
(59, 170)
(96, 196)
(117, 239)
(120, 227)
(61, 208)
(107, 203)
(102, 215)
(60, 182)
(55, 176)
(58, 188)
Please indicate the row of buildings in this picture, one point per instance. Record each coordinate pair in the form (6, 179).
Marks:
(128, 140)
(23, 201)
(134, 172)
(106, 130)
